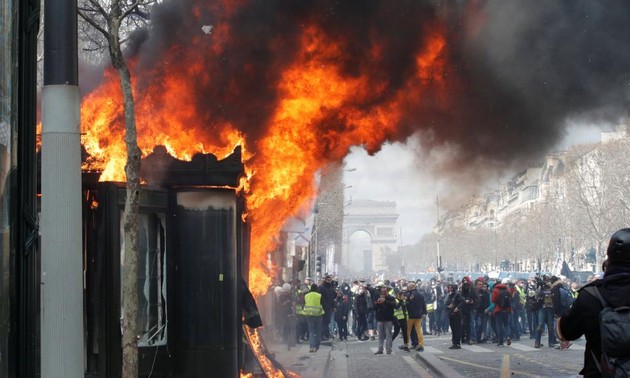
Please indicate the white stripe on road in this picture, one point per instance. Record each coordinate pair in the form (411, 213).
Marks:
(523, 347)
(476, 349)
(429, 349)
(375, 349)
(416, 367)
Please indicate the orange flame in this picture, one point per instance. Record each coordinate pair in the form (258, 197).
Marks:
(261, 353)
(319, 114)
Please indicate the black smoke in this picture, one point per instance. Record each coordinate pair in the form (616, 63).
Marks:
(519, 70)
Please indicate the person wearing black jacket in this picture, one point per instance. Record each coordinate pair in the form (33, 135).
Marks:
(342, 309)
(360, 310)
(416, 310)
(329, 292)
(384, 307)
(583, 316)
(556, 286)
(532, 306)
(469, 294)
(454, 302)
(482, 303)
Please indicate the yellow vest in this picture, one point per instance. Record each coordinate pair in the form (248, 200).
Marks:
(398, 312)
(299, 308)
(522, 297)
(313, 304)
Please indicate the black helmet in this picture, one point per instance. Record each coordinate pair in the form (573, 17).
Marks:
(619, 247)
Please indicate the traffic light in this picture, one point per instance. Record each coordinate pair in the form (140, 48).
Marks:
(318, 265)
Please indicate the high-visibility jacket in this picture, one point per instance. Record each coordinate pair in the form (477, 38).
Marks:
(299, 308)
(313, 304)
(399, 312)
(522, 297)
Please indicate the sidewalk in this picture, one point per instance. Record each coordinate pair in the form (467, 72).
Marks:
(298, 359)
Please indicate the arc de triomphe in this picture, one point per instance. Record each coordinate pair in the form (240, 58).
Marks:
(378, 219)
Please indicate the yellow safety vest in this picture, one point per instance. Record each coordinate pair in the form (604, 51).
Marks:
(313, 304)
(430, 307)
(522, 297)
(299, 308)
(398, 312)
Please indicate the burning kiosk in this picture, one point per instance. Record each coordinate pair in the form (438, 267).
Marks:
(193, 254)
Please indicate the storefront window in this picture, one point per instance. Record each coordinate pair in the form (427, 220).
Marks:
(152, 317)
(152, 280)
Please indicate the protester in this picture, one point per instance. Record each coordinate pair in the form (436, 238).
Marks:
(454, 302)
(416, 310)
(470, 297)
(328, 291)
(342, 309)
(313, 311)
(400, 324)
(360, 310)
(384, 307)
(501, 297)
(583, 316)
(545, 313)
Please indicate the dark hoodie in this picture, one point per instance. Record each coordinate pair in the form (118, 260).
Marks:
(558, 309)
(384, 312)
(583, 316)
(416, 307)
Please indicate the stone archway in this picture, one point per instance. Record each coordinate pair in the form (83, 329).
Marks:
(377, 219)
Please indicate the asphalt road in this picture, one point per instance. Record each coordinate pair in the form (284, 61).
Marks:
(354, 359)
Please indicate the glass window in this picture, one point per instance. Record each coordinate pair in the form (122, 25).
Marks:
(152, 281)
(152, 315)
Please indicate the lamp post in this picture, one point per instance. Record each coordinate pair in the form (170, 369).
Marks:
(437, 238)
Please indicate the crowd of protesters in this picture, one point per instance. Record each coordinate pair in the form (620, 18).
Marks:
(474, 310)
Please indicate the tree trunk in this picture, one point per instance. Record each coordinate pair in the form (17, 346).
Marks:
(130, 227)
(129, 261)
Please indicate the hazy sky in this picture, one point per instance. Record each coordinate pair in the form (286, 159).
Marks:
(395, 174)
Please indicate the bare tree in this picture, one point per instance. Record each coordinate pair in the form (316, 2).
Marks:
(108, 17)
(591, 197)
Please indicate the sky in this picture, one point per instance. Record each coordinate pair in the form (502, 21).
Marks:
(395, 174)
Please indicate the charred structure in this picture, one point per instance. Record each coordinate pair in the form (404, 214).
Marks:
(193, 256)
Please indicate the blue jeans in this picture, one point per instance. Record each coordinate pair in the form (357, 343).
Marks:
(545, 317)
(314, 324)
(515, 325)
(480, 325)
(371, 320)
(532, 322)
(503, 326)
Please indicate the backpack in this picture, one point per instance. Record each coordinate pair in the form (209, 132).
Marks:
(614, 328)
(503, 300)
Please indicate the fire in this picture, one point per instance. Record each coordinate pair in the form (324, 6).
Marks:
(318, 112)
(102, 118)
(260, 351)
